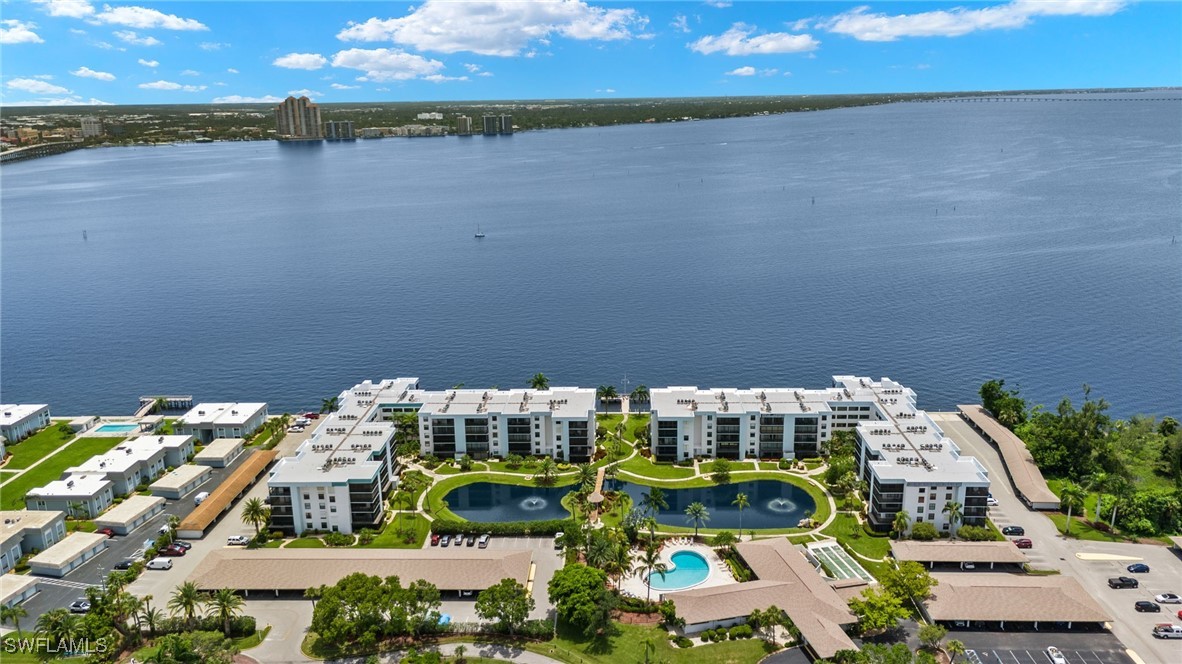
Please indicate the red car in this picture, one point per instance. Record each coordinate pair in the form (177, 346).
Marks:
(435, 539)
(172, 550)
(312, 416)
(1023, 543)
(106, 531)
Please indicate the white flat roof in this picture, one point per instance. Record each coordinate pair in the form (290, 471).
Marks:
(219, 448)
(689, 401)
(12, 585)
(20, 520)
(558, 402)
(80, 486)
(68, 549)
(148, 442)
(13, 413)
(181, 476)
(129, 510)
(221, 414)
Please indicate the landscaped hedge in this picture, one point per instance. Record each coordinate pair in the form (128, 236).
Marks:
(449, 527)
(741, 632)
(239, 625)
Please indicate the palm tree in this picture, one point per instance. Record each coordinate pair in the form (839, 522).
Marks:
(606, 393)
(461, 649)
(185, 600)
(224, 604)
(649, 645)
(76, 509)
(149, 616)
(13, 614)
(620, 562)
(547, 471)
(57, 624)
(159, 405)
(640, 394)
(650, 560)
(256, 513)
(1120, 488)
(539, 382)
(652, 503)
(1072, 496)
(1098, 482)
(954, 648)
(742, 503)
(600, 552)
(901, 523)
(697, 514)
(587, 476)
(329, 405)
(955, 512)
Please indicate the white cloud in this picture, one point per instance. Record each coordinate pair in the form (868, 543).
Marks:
(497, 27)
(742, 71)
(76, 31)
(607, 91)
(19, 32)
(472, 69)
(106, 46)
(43, 77)
(342, 86)
(485, 74)
(721, 4)
(212, 46)
(239, 99)
(131, 37)
(305, 93)
(220, 84)
(386, 64)
(169, 85)
(787, 73)
(69, 8)
(190, 72)
(87, 72)
(73, 100)
(231, 70)
(739, 41)
(864, 26)
(307, 61)
(145, 19)
(440, 78)
(681, 23)
(35, 86)
(801, 25)
(149, 63)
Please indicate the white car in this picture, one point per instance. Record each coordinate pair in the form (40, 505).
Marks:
(1168, 598)
(1055, 656)
(991, 501)
(237, 540)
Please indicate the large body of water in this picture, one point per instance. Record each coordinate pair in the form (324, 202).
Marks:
(938, 244)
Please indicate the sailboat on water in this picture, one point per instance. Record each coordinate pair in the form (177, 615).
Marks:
(479, 233)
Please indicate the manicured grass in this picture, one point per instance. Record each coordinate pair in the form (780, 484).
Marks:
(446, 469)
(82, 526)
(51, 469)
(36, 447)
(273, 544)
(305, 543)
(628, 645)
(634, 424)
(1081, 530)
(435, 495)
(848, 531)
(741, 465)
(608, 421)
(253, 640)
(390, 538)
(527, 468)
(6, 475)
(659, 471)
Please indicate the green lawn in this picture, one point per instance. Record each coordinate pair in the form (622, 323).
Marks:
(51, 469)
(848, 531)
(1081, 530)
(634, 424)
(36, 447)
(83, 526)
(628, 645)
(6, 475)
(658, 471)
(527, 468)
(305, 543)
(391, 539)
(742, 465)
(446, 469)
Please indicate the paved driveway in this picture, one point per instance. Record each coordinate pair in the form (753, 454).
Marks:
(1030, 647)
(1053, 551)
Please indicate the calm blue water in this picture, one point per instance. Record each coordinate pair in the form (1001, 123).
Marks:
(689, 569)
(948, 244)
(772, 504)
(487, 502)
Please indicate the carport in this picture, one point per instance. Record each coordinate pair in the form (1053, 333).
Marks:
(1013, 602)
(959, 553)
(224, 496)
(130, 514)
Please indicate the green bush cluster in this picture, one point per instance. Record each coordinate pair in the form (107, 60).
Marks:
(924, 532)
(683, 642)
(239, 626)
(741, 632)
(975, 534)
(338, 539)
(638, 605)
(508, 528)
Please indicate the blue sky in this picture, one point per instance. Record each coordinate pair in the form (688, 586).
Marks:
(77, 51)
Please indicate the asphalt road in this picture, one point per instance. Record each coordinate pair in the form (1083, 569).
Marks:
(1030, 647)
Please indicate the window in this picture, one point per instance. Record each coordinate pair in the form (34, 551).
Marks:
(919, 519)
(921, 500)
(945, 527)
(685, 438)
(332, 499)
(307, 506)
(333, 509)
(307, 516)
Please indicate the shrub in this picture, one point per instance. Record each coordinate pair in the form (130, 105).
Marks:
(706, 634)
(514, 461)
(599, 454)
(449, 527)
(683, 642)
(639, 605)
(784, 464)
(974, 533)
(466, 463)
(537, 629)
(338, 539)
(741, 632)
(924, 532)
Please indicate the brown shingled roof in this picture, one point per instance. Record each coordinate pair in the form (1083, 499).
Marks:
(958, 552)
(300, 569)
(1020, 465)
(220, 498)
(1012, 597)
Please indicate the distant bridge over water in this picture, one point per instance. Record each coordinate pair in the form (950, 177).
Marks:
(1032, 98)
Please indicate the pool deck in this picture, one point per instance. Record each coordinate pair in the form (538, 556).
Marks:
(720, 575)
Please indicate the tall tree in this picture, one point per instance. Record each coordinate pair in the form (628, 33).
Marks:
(652, 503)
(582, 599)
(330, 404)
(1098, 482)
(955, 512)
(546, 471)
(742, 503)
(877, 610)
(586, 474)
(58, 624)
(13, 614)
(224, 604)
(640, 394)
(256, 513)
(184, 602)
(539, 382)
(954, 648)
(1071, 496)
(910, 580)
(650, 561)
(507, 603)
(697, 514)
(901, 523)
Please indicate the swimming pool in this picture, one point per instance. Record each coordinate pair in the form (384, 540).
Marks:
(688, 569)
(117, 428)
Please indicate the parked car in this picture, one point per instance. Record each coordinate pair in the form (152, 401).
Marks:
(200, 498)
(237, 540)
(106, 531)
(968, 565)
(126, 563)
(470, 541)
(991, 501)
(164, 530)
(1013, 530)
(1023, 543)
(483, 542)
(1145, 606)
(183, 544)
(80, 606)
(1168, 598)
(435, 539)
(159, 563)
(1055, 655)
(558, 540)
(1167, 631)
(445, 541)
(1138, 568)
(1122, 582)
(295, 429)
(172, 550)
(311, 416)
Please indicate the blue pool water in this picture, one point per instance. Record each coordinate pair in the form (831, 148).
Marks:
(117, 428)
(689, 569)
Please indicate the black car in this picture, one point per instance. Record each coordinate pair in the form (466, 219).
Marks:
(126, 563)
(1138, 568)
(471, 541)
(1013, 530)
(1145, 606)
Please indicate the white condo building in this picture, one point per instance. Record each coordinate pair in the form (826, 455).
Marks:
(19, 421)
(207, 421)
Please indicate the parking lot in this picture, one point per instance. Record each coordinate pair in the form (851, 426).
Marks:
(546, 561)
(1031, 647)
